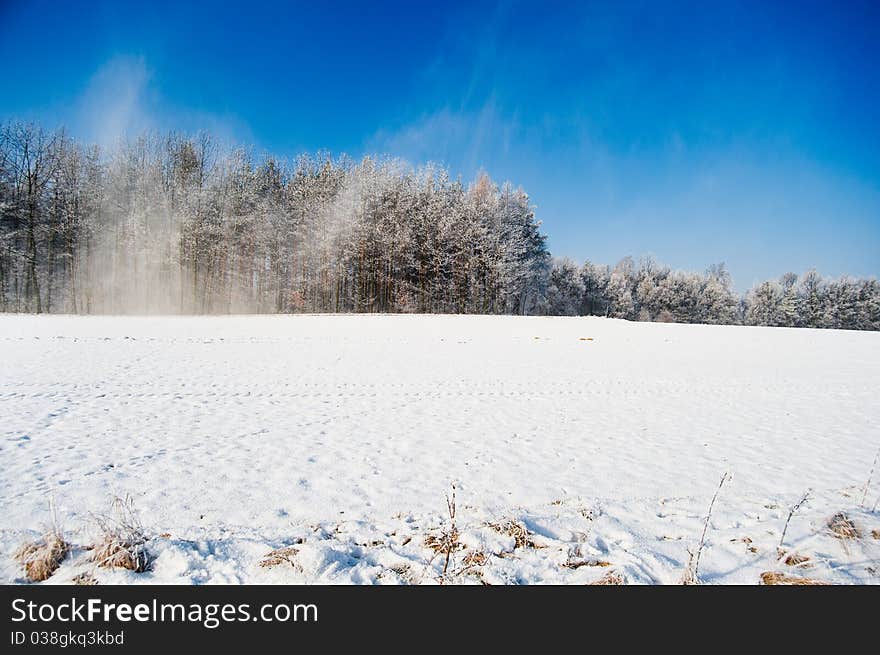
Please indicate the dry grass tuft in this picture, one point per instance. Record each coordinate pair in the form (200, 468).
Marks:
(519, 532)
(793, 558)
(475, 558)
(775, 578)
(446, 541)
(404, 571)
(842, 527)
(576, 564)
(472, 564)
(875, 534)
(612, 578)
(279, 556)
(122, 544)
(85, 579)
(114, 552)
(43, 557)
(401, 569)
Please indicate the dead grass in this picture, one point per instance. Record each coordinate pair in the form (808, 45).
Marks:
(445, 541)
(85, 579)
(691, 575)
(522, 538)
(404, 571)
(115, 552)
(842, 527)
(576, 564)
(791, 511)
(792, 558)
(612, 578)
(472, 564)
(775, 578)
(875, 534)
(122, 541)
(42, 558)
(748, 543)
(280, 556)
(475, 558)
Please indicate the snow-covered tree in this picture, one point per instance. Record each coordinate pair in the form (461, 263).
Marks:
(565, 292)
(764, 304)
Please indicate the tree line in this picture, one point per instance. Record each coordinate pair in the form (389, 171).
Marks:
(172, 223)
(648, 291)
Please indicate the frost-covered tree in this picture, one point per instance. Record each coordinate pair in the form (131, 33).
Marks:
(788, 306)
(565, 292)
(717, 303)
(811, 300)
(595, 279)
(525, 260)
(764, 304)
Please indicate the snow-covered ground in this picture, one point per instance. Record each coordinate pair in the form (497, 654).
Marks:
(339, 436)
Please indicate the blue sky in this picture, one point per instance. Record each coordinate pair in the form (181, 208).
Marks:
(695, 132)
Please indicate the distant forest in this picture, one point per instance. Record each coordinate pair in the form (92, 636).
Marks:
(178, 224)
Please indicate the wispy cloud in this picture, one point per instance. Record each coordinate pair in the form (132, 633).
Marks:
(465, 140)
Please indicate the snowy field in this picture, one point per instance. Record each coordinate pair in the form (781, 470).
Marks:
(580, 447)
